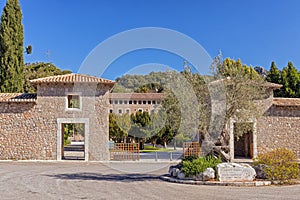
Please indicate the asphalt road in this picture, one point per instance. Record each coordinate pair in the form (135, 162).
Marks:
(90, 180)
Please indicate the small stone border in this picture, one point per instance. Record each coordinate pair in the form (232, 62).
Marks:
(216, 183)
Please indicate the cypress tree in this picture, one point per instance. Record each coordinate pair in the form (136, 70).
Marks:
(11, 48)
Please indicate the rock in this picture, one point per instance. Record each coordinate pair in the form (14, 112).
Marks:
(235, 172)
(181, 175)
(179, 166)
(199, 177)
(208, 174)
(259, 171)
(173, 171)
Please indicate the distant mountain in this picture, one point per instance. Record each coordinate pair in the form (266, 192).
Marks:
(262, 71)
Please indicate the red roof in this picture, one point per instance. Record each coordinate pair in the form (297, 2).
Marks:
(137, 96)
(286, 101)
(228, 80)
(17, 97)
(272, 85)
(71, 78)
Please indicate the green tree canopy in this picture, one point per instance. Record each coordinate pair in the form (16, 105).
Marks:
(124, 124)
(242, 88)
(70, 130)
(40, 70)
(291, 81)
(274, 75)
(232, 68)
(119, 126)
(289, 77)
(139, 127)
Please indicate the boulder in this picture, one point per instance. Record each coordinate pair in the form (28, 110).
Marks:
(179, 166)
(199, 177)
(235, 172)
(173, 171)
(259, 171)
(181, 175)
(208, 174)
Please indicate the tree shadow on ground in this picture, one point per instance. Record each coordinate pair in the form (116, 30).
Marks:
(106, 177)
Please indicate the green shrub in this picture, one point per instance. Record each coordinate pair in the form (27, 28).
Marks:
(192, 167)
(190, 158)
(279, 165)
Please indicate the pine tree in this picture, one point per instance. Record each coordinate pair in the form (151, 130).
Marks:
(290, 81)
(11, 48)
(274, 76)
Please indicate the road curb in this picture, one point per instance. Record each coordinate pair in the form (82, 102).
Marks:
(100, 162)
(216, 183)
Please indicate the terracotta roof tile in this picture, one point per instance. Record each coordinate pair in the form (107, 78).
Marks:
(17, 97)
(273, 86)
(71, 78)
(136, 96)
(286, 101)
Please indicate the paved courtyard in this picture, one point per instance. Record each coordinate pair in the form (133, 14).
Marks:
(91, 180)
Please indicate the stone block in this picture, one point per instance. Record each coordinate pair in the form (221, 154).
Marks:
(170, 170)
(259, 171)
(235, 172)
(208, 174)
(199, 177)
(173, 171)
(181, 175)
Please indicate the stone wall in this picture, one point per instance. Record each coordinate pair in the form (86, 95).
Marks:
(30, 130)
(279, 128)
(25, 133)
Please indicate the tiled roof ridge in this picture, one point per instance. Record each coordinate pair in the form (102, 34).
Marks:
(283, 101)
(71, 78)
(18, 97)
(266, 84)
(273, 85)
(135, 95)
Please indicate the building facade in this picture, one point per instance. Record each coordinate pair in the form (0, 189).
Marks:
(121, 103)
(277, 127)
(32, 125)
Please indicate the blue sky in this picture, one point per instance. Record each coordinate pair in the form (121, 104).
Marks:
(257, 32)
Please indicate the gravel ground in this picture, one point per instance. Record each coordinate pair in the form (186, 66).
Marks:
(90, 180)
